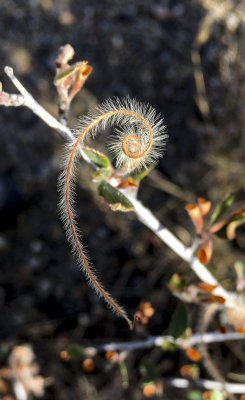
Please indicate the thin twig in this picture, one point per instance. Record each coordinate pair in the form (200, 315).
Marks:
(205, 383)
(158, 341)
(159, 182)
(201, 99)
(10, 100)
(143, 214)
(37, 109)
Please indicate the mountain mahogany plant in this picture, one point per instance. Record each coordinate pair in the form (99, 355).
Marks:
(138, 142)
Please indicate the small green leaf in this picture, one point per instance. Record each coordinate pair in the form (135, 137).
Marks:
(137, 177)
(124, 374)
(195, 371)
(169, 346)
(61, 75)
(194, 395)
(222, 207)
(240, 272)
(115, 199)
(179, 321)
(101, 174)
(151, 382)
(216, 395)
(240, 269)
(177, 283)
(236, 377)
(75, 351)
(96, 157)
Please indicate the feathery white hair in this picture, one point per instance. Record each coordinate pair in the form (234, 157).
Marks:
(140, 140)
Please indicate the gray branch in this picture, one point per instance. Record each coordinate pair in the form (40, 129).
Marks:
(158, 341)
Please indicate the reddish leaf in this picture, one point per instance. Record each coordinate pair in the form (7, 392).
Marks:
(206, 287)
(205, 252)
(83, 72)
(190, 371)
(196, 294)
(231, 228)
(193, 354)
(196, 216)
(69, 79)
(222, 329)
(145, 307)
(240, 329)
(217, 227)
(212, 299)
(6, 373)
(204, 205)
(226, 229)
(150, 389)
(111, 356)
(128, 183)
(88, 365)
(185, 371)
(206, 395)
(64, 355)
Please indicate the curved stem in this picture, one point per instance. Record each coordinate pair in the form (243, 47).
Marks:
(97, 286)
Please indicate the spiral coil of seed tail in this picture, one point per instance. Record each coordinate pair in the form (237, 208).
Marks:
(140, 140)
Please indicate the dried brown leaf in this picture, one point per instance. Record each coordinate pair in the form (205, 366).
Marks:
(193, 354)
(212, 299)
(204, 205)
(206, 287)
(196, 216)
(205, 252)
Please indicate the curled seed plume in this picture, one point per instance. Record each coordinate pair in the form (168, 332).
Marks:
(139, 141)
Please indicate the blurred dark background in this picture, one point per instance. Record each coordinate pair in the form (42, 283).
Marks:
(148, 50)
